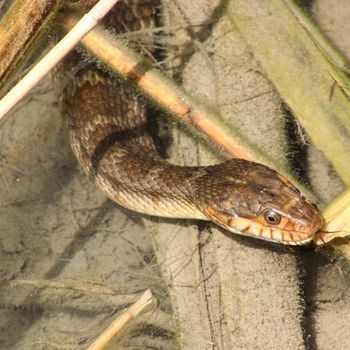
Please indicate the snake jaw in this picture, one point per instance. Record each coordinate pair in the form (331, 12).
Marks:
(254, 228)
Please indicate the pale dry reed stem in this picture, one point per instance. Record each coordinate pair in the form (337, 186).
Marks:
(54, 56)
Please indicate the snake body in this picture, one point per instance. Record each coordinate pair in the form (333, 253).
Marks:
(110, 137)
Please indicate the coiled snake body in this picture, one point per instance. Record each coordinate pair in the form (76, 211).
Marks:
(109, 136)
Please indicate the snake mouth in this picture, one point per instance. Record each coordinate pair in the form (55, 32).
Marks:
(251, 228)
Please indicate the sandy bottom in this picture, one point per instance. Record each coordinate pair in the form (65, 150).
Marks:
(55, 226)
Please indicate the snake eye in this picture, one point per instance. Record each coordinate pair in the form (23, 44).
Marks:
(272, 217)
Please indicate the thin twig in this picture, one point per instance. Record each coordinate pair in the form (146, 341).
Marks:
(121, 322)
(49, 61)
(127, 63)
(185, 108)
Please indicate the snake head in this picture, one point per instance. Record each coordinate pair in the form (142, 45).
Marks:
(254, 200)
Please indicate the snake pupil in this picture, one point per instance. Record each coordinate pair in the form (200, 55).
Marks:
(272, 217)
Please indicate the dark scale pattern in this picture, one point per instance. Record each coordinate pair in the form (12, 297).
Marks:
(247, 190)
(109, 136)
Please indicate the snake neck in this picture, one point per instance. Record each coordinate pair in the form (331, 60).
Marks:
(109, 131)
(109, 134)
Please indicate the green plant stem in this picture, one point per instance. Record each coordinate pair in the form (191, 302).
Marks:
(309, 82)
